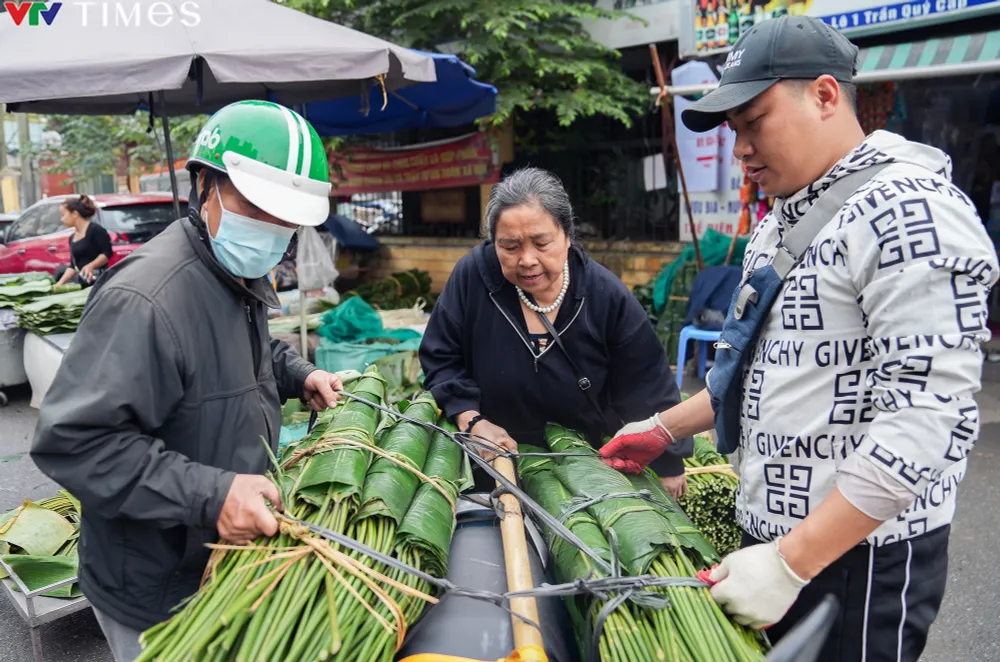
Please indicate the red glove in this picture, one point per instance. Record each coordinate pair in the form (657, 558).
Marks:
(636, 445)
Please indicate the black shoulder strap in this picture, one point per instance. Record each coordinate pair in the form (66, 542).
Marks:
(581, 379)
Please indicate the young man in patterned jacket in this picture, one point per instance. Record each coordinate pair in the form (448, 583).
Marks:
(856, 413)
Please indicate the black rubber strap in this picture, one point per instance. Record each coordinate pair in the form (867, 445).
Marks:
(472, 423)
(581, 380)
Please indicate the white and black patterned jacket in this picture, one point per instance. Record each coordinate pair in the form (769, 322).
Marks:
(872, 347)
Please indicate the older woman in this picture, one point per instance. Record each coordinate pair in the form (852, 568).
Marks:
(489, 354)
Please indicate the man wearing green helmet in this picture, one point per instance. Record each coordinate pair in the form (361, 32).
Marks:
(156, 416)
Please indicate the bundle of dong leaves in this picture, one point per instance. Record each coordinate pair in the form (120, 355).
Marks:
(56, 313)
(710, 500)
(387, 483)
(22, 289)
(644, 538)
(38, 541)
(400, 290)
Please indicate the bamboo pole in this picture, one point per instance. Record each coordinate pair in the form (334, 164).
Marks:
(515, 553)
(667, 133)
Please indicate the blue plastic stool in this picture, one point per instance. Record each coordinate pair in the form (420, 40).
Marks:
(702, 338)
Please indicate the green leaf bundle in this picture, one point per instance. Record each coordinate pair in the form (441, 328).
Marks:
(298, 597)
(429, 524)
(647, 537)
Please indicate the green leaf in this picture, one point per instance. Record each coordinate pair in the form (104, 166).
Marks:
(541, 483)
(40, 571)
(642, 532)
(38, 531)
(340, 471)
(688, 535)
(389, 488)
(430, 520)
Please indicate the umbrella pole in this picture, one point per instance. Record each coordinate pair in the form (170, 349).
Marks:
(170, 155)
(516, 560)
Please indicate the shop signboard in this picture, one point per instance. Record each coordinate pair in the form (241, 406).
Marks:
(470, 161)
(712, 26)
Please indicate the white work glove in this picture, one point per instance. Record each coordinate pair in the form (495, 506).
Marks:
(755, 585)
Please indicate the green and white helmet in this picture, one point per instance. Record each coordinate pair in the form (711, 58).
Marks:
(273, 157)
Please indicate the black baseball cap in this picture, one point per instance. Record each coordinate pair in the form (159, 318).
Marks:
(788, 47)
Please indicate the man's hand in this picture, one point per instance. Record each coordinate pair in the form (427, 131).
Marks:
(675, 486)
(244, 514)
(755, 585)
(636, 445)
(487, 433)
(321, 389)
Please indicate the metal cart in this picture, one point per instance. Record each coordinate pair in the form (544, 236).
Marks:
(36, 609)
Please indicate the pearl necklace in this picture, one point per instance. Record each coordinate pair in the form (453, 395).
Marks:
(555, 304)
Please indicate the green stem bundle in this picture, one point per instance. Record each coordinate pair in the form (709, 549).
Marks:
(710, 500)
(298, 597)
(645, 538)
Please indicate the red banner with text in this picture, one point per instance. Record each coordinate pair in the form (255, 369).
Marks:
(467, 161)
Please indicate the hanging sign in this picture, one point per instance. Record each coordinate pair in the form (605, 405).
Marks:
(713, 26)
(469, 161)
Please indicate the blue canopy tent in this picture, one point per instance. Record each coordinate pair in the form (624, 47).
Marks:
(455, 98)
(349, 234)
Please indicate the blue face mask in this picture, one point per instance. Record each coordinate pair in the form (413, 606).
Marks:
(246, 247)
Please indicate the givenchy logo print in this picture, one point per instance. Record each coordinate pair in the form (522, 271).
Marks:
(909, 472)
(914, 238)
(970, 302)
(800, 309)
(911, 370)
(788, 488)
(964, 434)
(753, 394)
(852, 401)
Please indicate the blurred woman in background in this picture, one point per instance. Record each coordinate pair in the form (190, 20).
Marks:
(90, 245)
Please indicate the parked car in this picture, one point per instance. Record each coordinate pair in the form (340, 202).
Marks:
(5, 221)
(38, 241)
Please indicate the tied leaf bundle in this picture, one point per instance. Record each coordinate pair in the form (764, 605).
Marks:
(38, 540)
(296, 596)
(633, 522)
(55, 313)
(404, 289)
(710, 500)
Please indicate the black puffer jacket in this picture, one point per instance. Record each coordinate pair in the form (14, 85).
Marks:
(476, 356)
(164, 394)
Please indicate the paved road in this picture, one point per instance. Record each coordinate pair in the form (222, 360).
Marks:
(966, 630)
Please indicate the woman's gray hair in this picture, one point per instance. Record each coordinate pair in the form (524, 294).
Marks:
(529, 186)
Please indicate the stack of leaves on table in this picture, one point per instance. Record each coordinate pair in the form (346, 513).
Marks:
(710, 500)
(25, 288)
(56, 313)
(38, 540)
(644, 538)
(385, 482)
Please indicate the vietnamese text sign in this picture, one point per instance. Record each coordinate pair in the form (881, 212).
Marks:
(469, 161)
(719, 209)
(712, 27)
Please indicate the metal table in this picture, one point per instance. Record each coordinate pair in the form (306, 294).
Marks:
(36, 609)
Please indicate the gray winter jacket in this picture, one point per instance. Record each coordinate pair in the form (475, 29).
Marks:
(165, 393)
